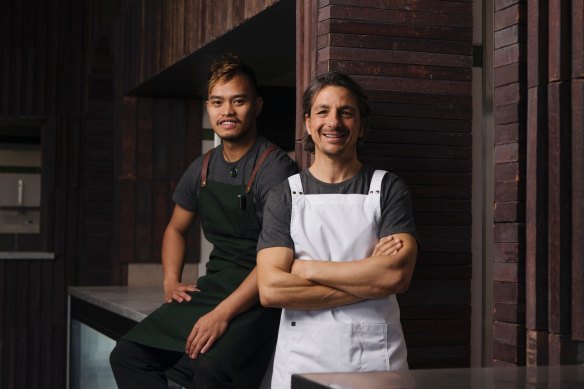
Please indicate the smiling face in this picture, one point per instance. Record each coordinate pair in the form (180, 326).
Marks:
(233, 107)
(334, 122)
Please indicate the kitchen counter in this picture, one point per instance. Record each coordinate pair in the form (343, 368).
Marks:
(568, 377)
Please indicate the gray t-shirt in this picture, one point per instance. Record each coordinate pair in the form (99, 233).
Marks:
(396, 205)
(275, 169)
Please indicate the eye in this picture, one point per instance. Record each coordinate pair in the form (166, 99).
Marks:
(347, 114)
(239, 101)
(215, 102)
(321, 113)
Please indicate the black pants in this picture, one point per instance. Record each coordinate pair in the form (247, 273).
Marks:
(142, 367)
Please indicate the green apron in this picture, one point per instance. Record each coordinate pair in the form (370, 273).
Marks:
(230, 223)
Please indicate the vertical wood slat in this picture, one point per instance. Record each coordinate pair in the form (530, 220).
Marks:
(559, 207)
(128, 138)
(559, 40)
(536, 178)
(144, 232)
(306, 30)
(577, 281)
(162, 120)
(160, 215)
(560, 218)
(177, 135)
(509, 65)
(144, 138)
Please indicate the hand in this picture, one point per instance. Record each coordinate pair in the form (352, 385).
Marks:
(387, 245)
(205, 332)
(178, 292)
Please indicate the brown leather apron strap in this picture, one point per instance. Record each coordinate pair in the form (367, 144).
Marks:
(258, 164)
(205, 167)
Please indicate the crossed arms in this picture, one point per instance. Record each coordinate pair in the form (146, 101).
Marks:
(318, 284)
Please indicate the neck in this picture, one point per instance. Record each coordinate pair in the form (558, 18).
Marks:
(334, 170)
(234, 150)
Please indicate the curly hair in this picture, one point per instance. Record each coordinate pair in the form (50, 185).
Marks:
(335, 78)
(228, 66)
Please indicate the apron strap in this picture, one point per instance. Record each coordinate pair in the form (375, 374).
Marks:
(205, 167)
(295, 184)
(376, 181)
(258, 164)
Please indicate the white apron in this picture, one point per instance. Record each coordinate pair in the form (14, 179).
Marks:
(364, 336)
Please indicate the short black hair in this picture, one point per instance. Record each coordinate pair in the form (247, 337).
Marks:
(228, 66)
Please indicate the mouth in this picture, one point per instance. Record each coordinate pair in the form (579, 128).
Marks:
(337, 135)
(228, 122)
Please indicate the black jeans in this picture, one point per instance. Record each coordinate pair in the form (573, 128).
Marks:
(142, 367)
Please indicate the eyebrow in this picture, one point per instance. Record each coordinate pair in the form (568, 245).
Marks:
(342, 107)
(244, 95)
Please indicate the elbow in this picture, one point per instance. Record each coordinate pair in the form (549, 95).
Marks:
(269, 297)
(403, 284)
(399, 283)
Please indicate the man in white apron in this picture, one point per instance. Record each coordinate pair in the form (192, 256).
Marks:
(338, 243)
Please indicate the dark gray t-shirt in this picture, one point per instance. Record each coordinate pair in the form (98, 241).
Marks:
(275, 169)
(396, 205)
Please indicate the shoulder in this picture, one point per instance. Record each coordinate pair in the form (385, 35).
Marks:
(277, 163)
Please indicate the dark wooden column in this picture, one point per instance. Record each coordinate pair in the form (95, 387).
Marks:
(577, 296)
(537, 180)
(549, 58)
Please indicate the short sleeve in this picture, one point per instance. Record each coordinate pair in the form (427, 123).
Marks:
(187, 189)
(277, 214)
(396, 208)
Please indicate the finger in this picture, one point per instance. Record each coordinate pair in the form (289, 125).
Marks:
(197, 345)
(190, 340)
(177, 297)
(208, 345)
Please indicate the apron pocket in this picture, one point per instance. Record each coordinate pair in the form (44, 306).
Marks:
(325, 347)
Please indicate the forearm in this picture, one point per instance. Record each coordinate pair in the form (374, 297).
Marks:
(373, 277)
(173, 252)
(279, 288)
(292, 292)
(242, 298)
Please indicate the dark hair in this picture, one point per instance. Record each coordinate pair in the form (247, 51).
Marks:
(228, 66)
(335, 78)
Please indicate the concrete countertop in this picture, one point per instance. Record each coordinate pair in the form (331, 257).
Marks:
(134, 302)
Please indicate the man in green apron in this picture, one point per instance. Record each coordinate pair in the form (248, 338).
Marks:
(215, 329)
(338, 243)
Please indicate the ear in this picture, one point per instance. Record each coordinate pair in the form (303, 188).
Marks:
(259, 104)
(307, 124)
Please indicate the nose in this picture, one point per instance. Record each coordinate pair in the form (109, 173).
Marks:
(227, 109)
(333, 121)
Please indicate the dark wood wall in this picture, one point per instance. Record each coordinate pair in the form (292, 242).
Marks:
(415, 60)
(55, 69)
(158, 139)
(539, 138)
